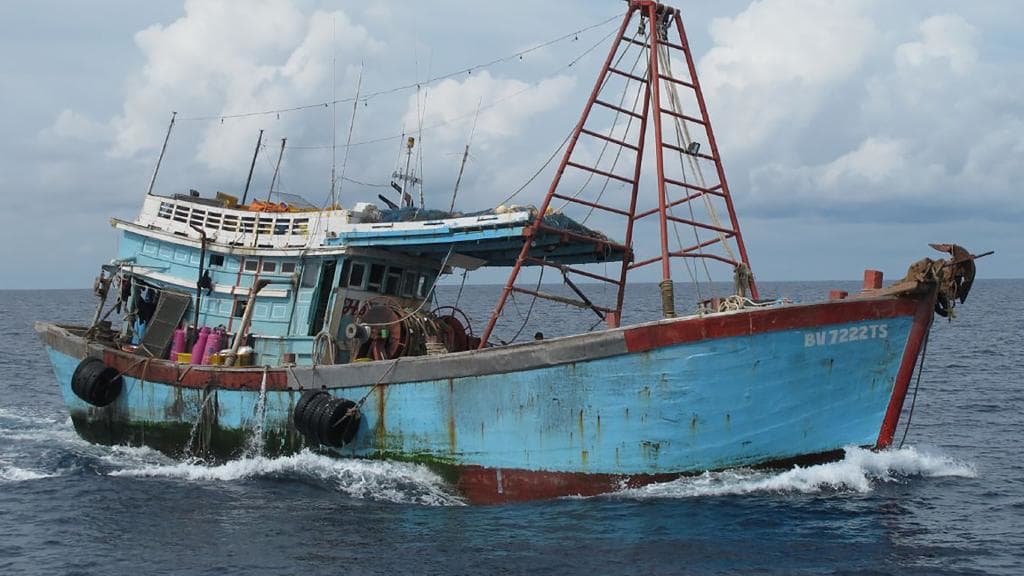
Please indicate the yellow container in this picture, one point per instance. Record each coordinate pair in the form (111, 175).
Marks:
(184, 357)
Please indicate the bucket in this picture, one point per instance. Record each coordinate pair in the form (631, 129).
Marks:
(184, 357)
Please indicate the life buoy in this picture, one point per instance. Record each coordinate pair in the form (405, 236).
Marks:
(96, 383)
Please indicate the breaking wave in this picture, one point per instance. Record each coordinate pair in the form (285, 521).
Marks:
(859, 471)
(366, 479)
(24, 435)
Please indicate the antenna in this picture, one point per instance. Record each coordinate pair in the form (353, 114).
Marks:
(465, 155)
(348, 141)
(407, 176)
(255, 153)
(334, 103)
(277, 169)
(160, 159)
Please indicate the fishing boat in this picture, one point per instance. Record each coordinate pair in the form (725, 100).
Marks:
(267, 328)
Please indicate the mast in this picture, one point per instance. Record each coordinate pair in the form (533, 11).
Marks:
(679, 127)
(255, 153)
(152, 181)
(348, 141)
(277, 168)
(465, 156)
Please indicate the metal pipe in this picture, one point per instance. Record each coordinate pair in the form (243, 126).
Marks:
(659, 154)
(199, 278)
(246, 319)
(530, 233)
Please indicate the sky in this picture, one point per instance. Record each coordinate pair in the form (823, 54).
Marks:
(853, 132)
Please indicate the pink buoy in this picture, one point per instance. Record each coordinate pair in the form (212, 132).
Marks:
(178, 343)
(200, 346)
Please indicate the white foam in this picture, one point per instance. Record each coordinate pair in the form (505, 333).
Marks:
(25, 417)
(43, 431)
(15, 474)
(859, 471)
(133, 456)
(370, 479)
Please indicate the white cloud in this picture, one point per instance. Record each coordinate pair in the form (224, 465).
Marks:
(943, 37)
(876, 170)
(224, 57)
(506, 105)
(772, 63)
(70, 125)
(874, 161)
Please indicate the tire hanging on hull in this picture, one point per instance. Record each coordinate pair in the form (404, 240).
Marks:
(96, 383)
(323, 419)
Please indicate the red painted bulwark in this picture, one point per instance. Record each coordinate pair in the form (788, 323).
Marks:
(653, 336)
(194, 376)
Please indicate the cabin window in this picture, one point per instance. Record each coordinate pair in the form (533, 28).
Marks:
(376, 277)
(238, 310)
(426, 281)
(269, 267)
(393, 282)
(287, 267)
(251, 265)
(309, 274)
(264, 225)
(343, 277)
(216, 259)
(409, 285)
(357, 274)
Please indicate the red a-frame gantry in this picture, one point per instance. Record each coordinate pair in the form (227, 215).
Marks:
(660, 87)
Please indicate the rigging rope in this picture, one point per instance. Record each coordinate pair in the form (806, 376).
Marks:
(913, 403)
(435, 79)
(683, 136)
(611, 129)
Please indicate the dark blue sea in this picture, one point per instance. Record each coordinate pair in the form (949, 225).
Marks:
(951, 501)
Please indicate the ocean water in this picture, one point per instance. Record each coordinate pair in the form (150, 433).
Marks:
(950, 501)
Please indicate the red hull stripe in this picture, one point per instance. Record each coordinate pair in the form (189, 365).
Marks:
(638, 339)
(644, 338)
(922, 322)
(492, 486)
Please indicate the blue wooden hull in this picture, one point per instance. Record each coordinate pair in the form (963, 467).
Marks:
(707, 404)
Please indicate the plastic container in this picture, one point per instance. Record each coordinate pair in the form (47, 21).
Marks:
(177, 344)
(213, 344)
(184, 357)
(246, 355)
(200, 347)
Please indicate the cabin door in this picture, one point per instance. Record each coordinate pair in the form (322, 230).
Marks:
(322, 296)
